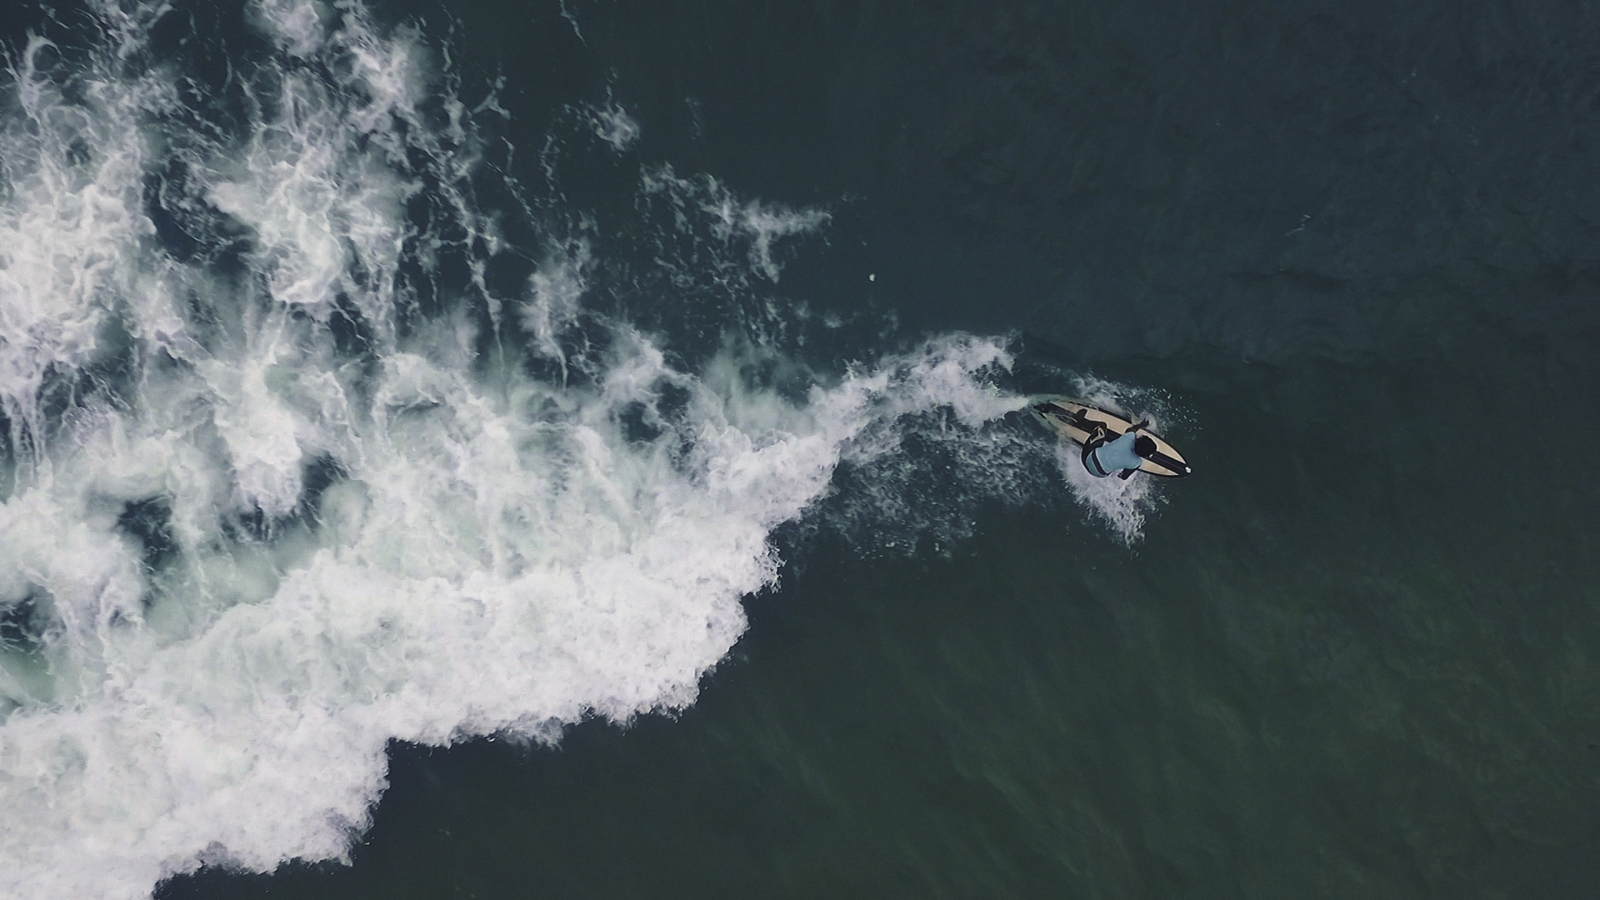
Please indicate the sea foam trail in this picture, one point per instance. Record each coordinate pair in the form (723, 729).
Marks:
(260, 525)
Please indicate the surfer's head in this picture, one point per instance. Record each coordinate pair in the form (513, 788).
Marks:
(1144, 446)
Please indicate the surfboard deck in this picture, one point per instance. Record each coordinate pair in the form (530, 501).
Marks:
(1076, 421)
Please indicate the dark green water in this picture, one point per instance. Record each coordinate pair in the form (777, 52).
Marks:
(1357, 246)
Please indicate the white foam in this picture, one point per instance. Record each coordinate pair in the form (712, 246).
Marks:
(1122, 504)
(571, 20)
(555, 296)
(756, 225)
(70, 229)
(763, 225)
(297, 24)
(612, 124)
(317, 206)
(496, 554)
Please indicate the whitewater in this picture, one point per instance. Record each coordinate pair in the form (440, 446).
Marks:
(291, 475)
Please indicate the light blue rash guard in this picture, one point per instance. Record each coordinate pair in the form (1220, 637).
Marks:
(1115, 455)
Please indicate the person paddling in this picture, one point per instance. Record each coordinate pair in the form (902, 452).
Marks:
(1134, 449)
(1125, 455)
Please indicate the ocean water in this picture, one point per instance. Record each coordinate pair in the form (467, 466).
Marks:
(576, 448)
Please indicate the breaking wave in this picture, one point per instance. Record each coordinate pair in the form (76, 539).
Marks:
(308, 452)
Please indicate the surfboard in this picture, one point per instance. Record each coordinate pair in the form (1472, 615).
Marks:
(1076, 421)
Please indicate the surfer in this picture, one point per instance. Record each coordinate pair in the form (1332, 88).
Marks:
(1124, 455)
(1111, 443)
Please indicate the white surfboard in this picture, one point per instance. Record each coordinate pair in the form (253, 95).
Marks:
(1077, 421)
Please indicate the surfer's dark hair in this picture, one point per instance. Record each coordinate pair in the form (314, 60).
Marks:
(1144, 446)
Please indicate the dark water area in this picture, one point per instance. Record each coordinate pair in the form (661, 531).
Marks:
(1272, 180)
(1356, 246)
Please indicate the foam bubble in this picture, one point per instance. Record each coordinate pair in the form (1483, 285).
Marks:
(612, 124)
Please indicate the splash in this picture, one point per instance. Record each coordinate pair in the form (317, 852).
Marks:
(1121, 504)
